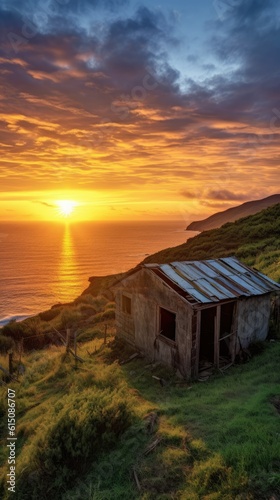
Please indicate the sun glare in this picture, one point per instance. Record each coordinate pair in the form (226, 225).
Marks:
(66, 207)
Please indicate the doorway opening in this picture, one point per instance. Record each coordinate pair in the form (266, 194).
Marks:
(226, 338)
(207, 335)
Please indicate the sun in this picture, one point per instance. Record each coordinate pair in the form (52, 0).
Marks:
(66, 207)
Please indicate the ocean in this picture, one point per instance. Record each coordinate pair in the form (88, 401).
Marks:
(45, 263)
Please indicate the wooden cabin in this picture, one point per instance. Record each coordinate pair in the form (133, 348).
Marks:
(184, 314)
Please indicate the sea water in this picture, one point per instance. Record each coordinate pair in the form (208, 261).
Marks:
(45, 263)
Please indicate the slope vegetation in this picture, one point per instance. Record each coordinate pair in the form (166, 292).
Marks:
(255, 240)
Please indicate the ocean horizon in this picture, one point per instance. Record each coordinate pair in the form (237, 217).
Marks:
(45, 263)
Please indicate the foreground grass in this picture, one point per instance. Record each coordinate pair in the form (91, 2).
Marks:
(214, 440)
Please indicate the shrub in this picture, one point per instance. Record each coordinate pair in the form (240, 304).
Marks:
(89, 335)
(14, 330)
(69, 317)
(83, 299)
(96, 302)
(83, 426)
(33, 326)
(110, 305)
(102, 316)
(87, 310)
(50, 314)
(108, 314)
(6, 343)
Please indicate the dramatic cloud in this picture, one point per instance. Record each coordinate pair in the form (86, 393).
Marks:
(101, 100)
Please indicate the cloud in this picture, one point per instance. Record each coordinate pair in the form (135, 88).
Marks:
(225, 195)
(218, 195)
(50, 205)
(98, 104)
(188, 194)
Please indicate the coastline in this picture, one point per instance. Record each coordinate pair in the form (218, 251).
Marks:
(16, 317)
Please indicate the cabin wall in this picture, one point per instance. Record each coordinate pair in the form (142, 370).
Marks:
(148, 293)
(252, 319)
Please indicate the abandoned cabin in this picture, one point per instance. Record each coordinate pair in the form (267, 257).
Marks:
(184, 314)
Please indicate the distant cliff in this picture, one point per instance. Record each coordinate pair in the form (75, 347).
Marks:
(232, 214)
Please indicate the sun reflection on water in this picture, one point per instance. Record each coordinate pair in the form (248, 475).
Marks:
(67, 267)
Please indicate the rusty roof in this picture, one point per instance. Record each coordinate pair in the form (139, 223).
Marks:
(214, 280)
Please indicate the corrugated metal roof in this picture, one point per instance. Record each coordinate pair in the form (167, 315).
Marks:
(215, 280)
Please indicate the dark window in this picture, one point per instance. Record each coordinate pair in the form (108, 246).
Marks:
(126, 304)
(167, 324)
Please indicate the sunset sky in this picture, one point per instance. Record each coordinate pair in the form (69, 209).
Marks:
(137, 110)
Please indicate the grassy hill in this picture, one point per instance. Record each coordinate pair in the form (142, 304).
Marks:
(234, 213)
(99, 429)
(255, 240)
(92, 432)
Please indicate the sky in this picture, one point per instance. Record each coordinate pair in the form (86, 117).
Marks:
(137, 110)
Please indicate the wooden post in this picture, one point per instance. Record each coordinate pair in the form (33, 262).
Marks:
(105, 334)
(217, 336)
(11, 362)
(67, 339)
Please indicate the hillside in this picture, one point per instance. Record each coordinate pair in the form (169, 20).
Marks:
(255, 240)
(102, 428)
(233, 214)
(107, 431)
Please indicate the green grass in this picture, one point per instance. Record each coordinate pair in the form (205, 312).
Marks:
(82, 430)
(218, 439)
(255, 240)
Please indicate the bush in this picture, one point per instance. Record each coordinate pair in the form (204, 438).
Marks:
(102, 316)
(50, 314)
(87, 310)
(83, 426)
(31, 330)
(89, 335)
(33, 326)
(108, 314)
(96, 302)
(87, 298)
(110, 305)
(69, 317)
(6, 343)
(14, 330)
